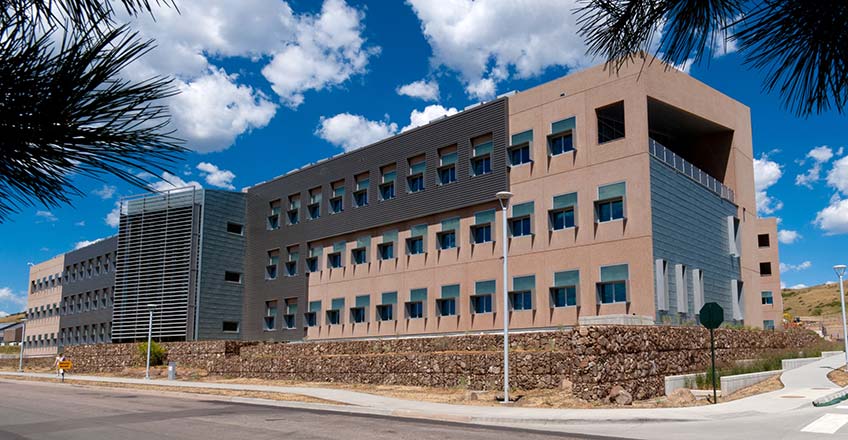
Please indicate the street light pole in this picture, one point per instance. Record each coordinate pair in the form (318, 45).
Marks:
(503, 198)
(840, 272)
(23, 340)
(149, 340)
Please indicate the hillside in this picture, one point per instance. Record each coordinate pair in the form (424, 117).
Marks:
(812, 301)
(11, 318)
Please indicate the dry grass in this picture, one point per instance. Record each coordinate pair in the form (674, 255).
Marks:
(812, 301)
(11, 318)
(839, 377)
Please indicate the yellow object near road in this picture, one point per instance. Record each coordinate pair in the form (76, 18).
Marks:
(65, 365)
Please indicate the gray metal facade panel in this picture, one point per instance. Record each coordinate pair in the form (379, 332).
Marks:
(690, 228)
(459, 130)
(105, 280)
(220, 251)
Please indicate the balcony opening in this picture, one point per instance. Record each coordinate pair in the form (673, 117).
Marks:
(702, 143)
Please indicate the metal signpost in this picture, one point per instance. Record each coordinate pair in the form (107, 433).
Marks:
(711, 317)
(64, 365)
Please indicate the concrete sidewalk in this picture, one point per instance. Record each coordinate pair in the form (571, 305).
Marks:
(802, 386)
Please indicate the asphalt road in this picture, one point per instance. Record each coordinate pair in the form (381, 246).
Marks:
(33, 410)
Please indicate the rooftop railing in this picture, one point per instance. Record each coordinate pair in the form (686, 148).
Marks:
(682, 166)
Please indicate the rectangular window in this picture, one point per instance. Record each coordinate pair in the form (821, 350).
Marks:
(358, 256)
(767, 298)
(481, 165)
(414, 310)
(564, 290)
(274, 215)
(447, 165)
(312, 264)
(446, 239)
(415, 245)
(562, 215)
(415, 179)
(768, 324)
(610, 203)
(387, 191)
(334, 260)
(733, 236)
(447, 175)
(561, 139)
(386, 250)
(360, 196)
(293, 213)
(314, 207)
(481, 301)
(357, 314)
(519, 227)
(446, 306)
(332, 317)
(610, 122)
(273, 262)
(481, 233)
(385, 312)
(293, 217)
(481, 160)
(519, 155)
(613, 285)
(763, 240)
(310, 319)
(230, 326)
(232, 277)
(337, 199)
(521, 300)
(232, 228)
(270, 315)
(765, 269)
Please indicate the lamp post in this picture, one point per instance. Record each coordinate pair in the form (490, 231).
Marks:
(150, 307)
(503, 198)
(23, 341)
(840, 272)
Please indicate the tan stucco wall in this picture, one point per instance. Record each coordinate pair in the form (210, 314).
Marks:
(772, 282)
(48, 297)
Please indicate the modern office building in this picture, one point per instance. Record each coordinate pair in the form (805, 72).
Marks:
(768, 260)
(180, 252)
(42, 312)
(633, 202)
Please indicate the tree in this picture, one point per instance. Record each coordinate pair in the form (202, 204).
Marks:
(800, 46)
(65, 109)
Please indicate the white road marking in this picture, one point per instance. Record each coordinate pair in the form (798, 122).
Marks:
(827, 424)
(842, 407)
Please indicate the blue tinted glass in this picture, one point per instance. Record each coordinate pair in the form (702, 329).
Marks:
(361, 198)
(387, 191)
(558, 297)
(482, 234)
(447, 240)
(337, 205)
(387, 251)
(617, 209)
(447, 175)
(620, 292)
(416, 309)
(314, 211)
(310, 319)
(571, 296)
(521, 227)
(416, 183)
(416, 246)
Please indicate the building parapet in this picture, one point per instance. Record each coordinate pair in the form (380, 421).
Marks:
(682, 166)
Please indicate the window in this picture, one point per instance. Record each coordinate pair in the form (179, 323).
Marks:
(270, 315)
(385, 312)
(519, 155)
(358, 256)
(291, 312)
(765, 269)
(613, 285)
(446, 306)
(232, 277)
(415, 179)
(312, 261)
(337, 201)
(334, 313)
(560, 143)
(520, 224)
(310, 319)
(481, 160)
(447, 239)
(415, 306)
(386, 251)
(521, 296)
(332, 317)
(610, 203)
(360, 196)
(565, 296)
(481, 301)
(481, 234)
(293, 213)
(232, 228)
(273, 262)
(415, 245)
(230, 326)
(314, 207)
(357, 314)
(562, 216)
(768, 324)
(387, 184)
(334, 260)
(274, 216)
(610, 122)
(767, 298)
(733, 236)
(291, 263)
(447, 165)
(763, 240)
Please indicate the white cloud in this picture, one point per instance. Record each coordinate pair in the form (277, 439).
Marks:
(170, 181)
(834, 218)
(216, 176)
(297, 52)
(837, 178)
(84, 243)
(418, 118)
(3, 314)
(106, 192)
(785, 267)
(819, 156)
(212, 110)
(766, 174)
(799, 286)
(685, 66)
(80, 223)
(326, 50)
(787, 236)
(6, 294)
(490, 41)
(353, 131)
(46, 216)
(426, 90)
(113, 218)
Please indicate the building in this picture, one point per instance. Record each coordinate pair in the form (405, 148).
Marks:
(42, 312)
(633, 202)
(87, 294)
(11, 329)
(768, 259)
(180, 251)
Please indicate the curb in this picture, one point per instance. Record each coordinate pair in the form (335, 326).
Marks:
(832, 398)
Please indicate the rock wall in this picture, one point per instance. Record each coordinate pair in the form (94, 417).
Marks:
(592, 359)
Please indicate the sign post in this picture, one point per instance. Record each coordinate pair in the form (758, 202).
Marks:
(64, 365)
(711, 317)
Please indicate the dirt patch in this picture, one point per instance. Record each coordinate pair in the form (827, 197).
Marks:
(839, 377)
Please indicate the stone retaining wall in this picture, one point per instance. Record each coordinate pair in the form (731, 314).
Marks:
(592, 359)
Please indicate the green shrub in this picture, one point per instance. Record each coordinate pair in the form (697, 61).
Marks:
(157, 353)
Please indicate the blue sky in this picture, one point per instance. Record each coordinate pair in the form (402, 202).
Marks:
(273, 85)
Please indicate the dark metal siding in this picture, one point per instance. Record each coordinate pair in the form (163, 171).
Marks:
(106, 280)
(220, 251)
(467, 191)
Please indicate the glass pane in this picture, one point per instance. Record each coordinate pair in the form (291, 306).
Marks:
(617, 209)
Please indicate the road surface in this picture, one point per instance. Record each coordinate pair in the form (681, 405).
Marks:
(34, 410)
